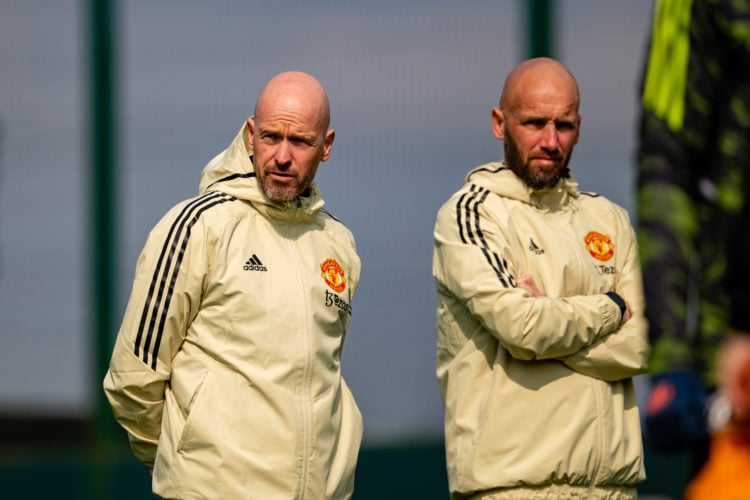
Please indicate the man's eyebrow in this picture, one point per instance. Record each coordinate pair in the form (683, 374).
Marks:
(531, 117)
(309, 135)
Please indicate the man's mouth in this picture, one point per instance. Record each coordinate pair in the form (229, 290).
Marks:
(281, 176)
(546, 160)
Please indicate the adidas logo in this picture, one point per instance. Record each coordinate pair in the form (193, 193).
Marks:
(254, 264)
(534, 248)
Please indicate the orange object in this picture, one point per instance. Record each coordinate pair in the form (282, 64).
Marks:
(662, 395)
(726, 474)
(745, 382)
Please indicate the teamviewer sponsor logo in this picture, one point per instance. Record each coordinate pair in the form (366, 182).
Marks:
(254, 264)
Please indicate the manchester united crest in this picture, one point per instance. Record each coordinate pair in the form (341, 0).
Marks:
(333, 274)
(599, 245)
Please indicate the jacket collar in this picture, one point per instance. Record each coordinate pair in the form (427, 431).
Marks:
(499, 179)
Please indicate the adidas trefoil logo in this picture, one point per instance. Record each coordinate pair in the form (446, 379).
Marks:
(254, 264)
(534, 248)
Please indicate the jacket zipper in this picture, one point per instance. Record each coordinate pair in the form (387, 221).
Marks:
(307, 372)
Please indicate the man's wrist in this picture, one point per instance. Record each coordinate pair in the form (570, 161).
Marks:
(619, 301)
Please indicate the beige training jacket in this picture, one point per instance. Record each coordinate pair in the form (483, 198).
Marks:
(537, 391)
(226, 370)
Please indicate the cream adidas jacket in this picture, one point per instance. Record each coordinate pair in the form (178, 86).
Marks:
(226, 370)
(537, 391)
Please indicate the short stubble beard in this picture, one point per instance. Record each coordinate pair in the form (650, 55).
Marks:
(540, 179)
(276, 193)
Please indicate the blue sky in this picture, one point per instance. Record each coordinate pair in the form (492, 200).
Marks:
(411, 86)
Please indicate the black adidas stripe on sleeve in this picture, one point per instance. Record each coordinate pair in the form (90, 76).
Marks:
(469, 228)
(156, 305)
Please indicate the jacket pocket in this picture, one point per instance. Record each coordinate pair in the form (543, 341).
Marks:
(194, 413)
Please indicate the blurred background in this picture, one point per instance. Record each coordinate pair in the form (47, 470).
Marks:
(109, 111)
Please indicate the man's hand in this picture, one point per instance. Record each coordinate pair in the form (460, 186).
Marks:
(627, 315)
(527, 283)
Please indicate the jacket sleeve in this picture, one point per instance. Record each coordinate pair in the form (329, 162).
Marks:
(165, 296)
(625, 353)
(479, 271)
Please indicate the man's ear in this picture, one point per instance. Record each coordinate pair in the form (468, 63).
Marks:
(330, 136)
(250, 132)
(498, 123)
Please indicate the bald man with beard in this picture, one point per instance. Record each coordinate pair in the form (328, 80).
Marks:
(539, 313)
(226, 370)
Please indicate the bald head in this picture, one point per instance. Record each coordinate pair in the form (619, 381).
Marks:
(297, 91)
(538, 121)
(537, 73)
(288, 136)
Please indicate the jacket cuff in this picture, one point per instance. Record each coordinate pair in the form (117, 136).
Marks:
(611, 319)
(619, 301)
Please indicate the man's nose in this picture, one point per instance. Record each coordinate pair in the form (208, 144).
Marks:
(283, 155)
(550, 139)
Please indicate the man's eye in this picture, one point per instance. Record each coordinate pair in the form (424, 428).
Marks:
(270, 138)
(535, 123)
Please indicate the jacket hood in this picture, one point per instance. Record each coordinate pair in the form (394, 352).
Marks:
(499, 179)
(232, 172)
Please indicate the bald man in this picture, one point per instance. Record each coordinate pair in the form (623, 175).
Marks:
(540, 313)
(226, 370)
